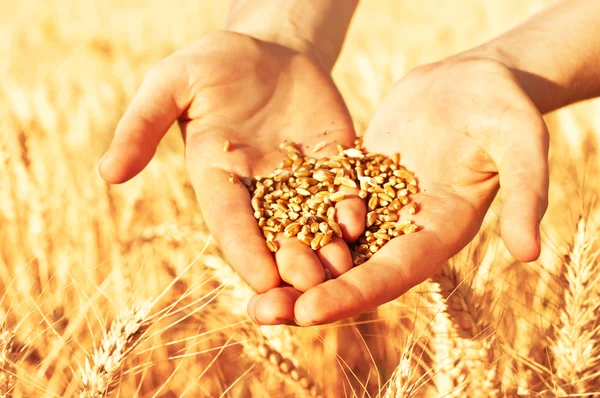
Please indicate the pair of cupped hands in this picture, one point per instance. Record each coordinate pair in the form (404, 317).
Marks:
(463, 126)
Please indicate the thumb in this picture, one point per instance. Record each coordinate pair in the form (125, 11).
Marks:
(162, 97)
(524, 185)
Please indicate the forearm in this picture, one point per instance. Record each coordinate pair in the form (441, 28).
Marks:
(313, 27)
(555, 54)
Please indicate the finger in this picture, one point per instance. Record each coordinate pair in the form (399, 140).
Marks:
(351, 214)
(298, 264)
(162, 97)
(335, 257)
(229, 216)
(449, 223)
(274, 307)
(524, 185)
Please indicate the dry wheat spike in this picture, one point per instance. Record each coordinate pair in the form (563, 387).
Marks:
(101, 378)
(576, 346)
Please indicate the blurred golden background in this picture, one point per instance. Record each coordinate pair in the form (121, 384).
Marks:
(75, 253)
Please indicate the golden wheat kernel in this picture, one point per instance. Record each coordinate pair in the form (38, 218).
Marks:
(323, 175)
(302, 173)
(387, 225)
(335, 227)
(363, 194)
(371, 218)
(401, 193)
(354, 153)
(304, 383)
(345, 181)
(373, 202)
(303, 192)
(314, 227)
(320, 145)
(316, 241)
(305, 229)
(410, 229)
(294, 374)
(382, 235)
(286, 365)
(307, 239)
(389, 191)
(326, 238)
(293, 215)
(264, 350)
(337, 196)
(272, 245)
(404, 200)
(296, 164)
(412, 188)
(320, 163)
(255, 202)
(331, 213)
(373, 248)
(412, 208)
(383, 203)
(262, 222)
(292, 229)
(275, 358)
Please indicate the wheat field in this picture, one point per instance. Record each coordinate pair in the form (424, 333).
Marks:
(120, 290)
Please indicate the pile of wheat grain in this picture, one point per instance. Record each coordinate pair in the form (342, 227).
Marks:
(119, 289)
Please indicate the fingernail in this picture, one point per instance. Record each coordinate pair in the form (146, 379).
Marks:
(302, 317)
(282, 321)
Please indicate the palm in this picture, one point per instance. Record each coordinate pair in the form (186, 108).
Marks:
(463, 129)
(257, 95)
(230, 87)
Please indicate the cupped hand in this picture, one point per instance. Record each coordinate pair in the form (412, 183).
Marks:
(254, 94)
(465, 127)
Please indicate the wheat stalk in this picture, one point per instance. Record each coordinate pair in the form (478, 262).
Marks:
(576, 345)
(101, 377)
(7, 371)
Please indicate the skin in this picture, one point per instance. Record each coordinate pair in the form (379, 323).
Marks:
(465, 126)
(248, 92)
(461, 155)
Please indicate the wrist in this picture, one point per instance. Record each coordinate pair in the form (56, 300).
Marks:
(543, 80)
(313, 28)
(282, 36)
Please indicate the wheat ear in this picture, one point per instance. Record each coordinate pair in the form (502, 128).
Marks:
(576, 344)
(401, 383)
(101, 377)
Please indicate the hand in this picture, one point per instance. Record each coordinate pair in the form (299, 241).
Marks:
(464, 127)
(229, 86)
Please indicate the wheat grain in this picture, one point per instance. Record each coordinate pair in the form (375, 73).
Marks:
(304, 189)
